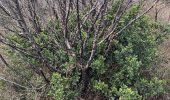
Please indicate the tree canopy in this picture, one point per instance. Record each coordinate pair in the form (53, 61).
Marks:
(83, 49)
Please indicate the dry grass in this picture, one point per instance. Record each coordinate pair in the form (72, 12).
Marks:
(163, 12)
(164, 17)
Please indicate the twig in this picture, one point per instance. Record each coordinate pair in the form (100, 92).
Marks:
(131, 22)
(95, 38)
(3, 60)
(2, 78)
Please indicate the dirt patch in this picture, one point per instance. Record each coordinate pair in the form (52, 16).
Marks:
(160, 12)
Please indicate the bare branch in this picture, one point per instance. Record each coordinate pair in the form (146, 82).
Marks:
(27, 88)
(131, 22)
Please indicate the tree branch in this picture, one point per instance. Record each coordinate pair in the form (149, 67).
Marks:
(131, 22)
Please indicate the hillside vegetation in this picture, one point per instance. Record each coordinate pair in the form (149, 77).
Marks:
(84, 50)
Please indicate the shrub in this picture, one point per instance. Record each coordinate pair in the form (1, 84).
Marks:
(120, 66)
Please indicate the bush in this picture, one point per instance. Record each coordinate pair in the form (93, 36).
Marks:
(118, 71)
(119, 74)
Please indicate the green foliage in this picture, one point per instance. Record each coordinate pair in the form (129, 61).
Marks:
(60, 88)
(58, 84)
(128, 94)
(98, 65)
(148, 88)
(136, 50)
(100, 86)
(117, 75)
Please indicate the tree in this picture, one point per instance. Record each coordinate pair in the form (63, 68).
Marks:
(97, 49)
